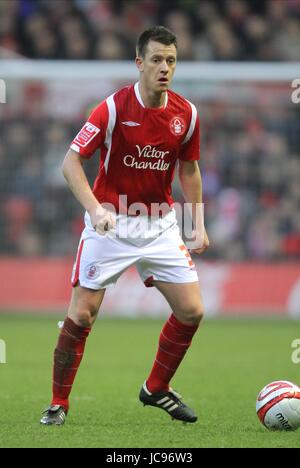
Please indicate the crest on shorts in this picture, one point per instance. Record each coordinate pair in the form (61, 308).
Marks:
(92, 271)
(177, 126)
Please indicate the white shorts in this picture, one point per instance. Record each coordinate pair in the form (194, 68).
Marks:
(154, 245)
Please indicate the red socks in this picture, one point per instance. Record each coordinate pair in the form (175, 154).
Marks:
(67, 358)
(175, 339)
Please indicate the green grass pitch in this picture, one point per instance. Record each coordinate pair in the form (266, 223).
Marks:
(229, 362)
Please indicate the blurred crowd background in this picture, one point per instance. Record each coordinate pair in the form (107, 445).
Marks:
(265, 30)
(250, 158)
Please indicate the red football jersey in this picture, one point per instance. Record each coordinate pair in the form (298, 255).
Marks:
(139, 146)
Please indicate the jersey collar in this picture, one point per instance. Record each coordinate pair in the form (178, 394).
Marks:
(139, 97)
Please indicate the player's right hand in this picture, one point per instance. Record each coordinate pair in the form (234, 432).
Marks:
(102, 220)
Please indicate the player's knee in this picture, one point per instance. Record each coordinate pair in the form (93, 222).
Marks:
(193, 314)
(84, 317)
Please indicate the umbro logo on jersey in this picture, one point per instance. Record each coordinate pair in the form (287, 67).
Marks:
(129, 123)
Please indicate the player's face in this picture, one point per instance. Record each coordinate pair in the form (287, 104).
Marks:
(158, 66)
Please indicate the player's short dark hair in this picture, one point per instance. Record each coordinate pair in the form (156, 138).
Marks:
(158, 34)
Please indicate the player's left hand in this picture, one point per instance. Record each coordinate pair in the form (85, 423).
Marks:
(204, 243)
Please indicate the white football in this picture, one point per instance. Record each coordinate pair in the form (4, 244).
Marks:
(278, 406)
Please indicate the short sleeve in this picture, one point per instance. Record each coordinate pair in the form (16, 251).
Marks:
(190, 148)
(92, 134)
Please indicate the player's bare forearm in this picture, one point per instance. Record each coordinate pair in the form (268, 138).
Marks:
(191, 185)
(74, 174)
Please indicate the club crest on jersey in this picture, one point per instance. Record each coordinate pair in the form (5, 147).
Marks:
(86, 134)
(177, 126)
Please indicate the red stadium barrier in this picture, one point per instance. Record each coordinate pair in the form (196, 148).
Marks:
(38, 284)
(43, 284)
(252, 288)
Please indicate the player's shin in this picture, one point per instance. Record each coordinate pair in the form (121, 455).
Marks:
(174, 341)
(67, 358)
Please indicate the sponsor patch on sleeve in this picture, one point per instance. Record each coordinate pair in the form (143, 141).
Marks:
(86, 134)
